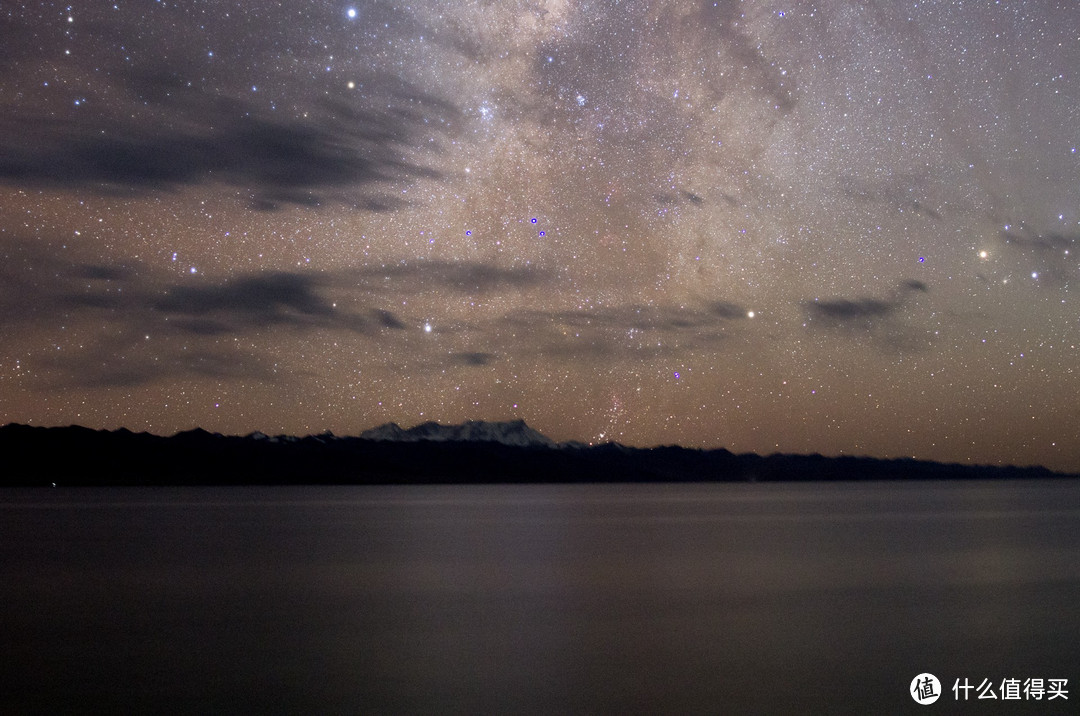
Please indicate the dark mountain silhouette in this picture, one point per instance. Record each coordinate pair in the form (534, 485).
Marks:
(475, 452)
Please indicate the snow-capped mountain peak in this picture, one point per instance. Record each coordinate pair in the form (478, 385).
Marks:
(513, 432)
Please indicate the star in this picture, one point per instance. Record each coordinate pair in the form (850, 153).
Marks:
(577, 196)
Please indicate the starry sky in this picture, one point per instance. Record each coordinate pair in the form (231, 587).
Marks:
(815, 226)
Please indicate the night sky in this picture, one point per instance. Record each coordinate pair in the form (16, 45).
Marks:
(837, 227)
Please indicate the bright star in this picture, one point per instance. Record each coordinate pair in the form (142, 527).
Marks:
(351, 12)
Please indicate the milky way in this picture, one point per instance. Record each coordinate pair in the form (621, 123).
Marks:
(835, 227)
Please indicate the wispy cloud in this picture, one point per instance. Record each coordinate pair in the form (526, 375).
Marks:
(343, 152)
(890, 321)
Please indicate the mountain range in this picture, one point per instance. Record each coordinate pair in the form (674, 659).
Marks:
(473, 452)
(514, 432)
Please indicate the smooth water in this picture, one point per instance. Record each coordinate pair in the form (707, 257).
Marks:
(726, 598)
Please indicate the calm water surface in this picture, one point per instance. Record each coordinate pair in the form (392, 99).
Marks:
(825, 598)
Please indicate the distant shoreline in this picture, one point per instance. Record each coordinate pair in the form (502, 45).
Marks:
(77, 456)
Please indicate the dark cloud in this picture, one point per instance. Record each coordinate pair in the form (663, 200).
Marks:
(174, 100)
(902, 193)
(253, 302)
(143, 326)
(637, 332)
(388, 320)
(674, 200)
(203, 326)
(104, 273)
(728, 310)
(720, 23)
(126, 363)
(864, 310)
(1051, 256)
(344, 152)
(920, 208)
(842, 309)
(463, 276)
(1026, 239)
(45, 285)
(42, 283)
(473, 359)
(890, 322)
(642, 317)
(914, 285)
(267, 298)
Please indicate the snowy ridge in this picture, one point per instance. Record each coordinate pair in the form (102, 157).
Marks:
(513, 432)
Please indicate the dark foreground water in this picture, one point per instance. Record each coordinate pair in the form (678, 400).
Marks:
(824, 598)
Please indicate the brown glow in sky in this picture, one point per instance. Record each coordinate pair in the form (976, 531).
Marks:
(801, 227)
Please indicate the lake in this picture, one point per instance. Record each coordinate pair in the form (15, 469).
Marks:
(645, 598)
